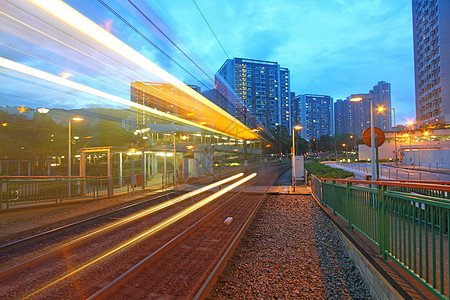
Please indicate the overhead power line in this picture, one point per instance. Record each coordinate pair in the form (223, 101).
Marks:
(217, 39)
(170, 40)
(150, 42)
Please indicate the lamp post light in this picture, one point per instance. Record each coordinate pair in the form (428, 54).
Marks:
(426, 134)
(381, 109)
(69, 150)
(345, 148)
(43, 111)
(297, 127)
(357, 98)
(410, 124)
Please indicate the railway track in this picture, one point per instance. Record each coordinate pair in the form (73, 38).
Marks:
(188, 265)
(66, 269)
(9, 238)
(44, 233)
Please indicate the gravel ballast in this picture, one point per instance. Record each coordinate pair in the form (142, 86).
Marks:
(291, 251)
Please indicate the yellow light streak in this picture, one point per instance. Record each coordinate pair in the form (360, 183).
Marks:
(72, 17)
(65, 75)
(9, 64)
(156, 227)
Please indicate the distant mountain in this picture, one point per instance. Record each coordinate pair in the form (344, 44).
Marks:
(91, 115)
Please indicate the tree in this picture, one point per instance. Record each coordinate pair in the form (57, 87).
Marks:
(301, 145)
(283, 138)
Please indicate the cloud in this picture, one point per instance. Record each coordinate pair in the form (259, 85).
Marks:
(334, 47)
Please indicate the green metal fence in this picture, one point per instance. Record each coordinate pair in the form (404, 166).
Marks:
(17, 191)
(412, 229)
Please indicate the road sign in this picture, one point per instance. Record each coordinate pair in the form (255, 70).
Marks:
(378, 133)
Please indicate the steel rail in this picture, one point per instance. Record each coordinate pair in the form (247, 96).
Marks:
(210, 281)
(131, 273)
(93, 235)
(46, 234)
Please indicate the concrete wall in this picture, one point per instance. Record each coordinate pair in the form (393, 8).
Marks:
(425, 155)
(432, 158)
(386, 151)
(379, 287)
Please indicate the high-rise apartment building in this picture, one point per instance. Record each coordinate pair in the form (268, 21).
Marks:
(295, 110)
(431, 28)
(285, 98)
(342, 116)
(262, 86)
(315, 112)
(354, 117)
(381, 95)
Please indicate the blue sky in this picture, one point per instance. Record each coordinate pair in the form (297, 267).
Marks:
(335, 48)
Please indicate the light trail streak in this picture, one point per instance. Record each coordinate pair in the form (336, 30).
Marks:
(9, 64)
(68, 15)
(157, 208)
(153, 229)
(50, 37)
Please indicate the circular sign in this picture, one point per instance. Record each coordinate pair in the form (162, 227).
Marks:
(378, 133)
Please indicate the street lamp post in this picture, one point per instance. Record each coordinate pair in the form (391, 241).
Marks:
(395, 138)
(43, 111)
(357, 98)
(297, 127)
(410, 124)
(69, 150)
(381, 109)
(174, 161)
(426, 133)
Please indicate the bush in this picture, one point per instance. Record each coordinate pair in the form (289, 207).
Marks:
(323, 171)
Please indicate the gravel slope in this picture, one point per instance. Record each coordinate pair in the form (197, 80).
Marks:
(291, 251)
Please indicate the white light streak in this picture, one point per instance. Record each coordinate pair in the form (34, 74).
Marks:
(158, 226)
(72, 17)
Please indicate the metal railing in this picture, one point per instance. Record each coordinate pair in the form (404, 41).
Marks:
(394, 173)
(316, 187)
(21, 190)
(408, 227)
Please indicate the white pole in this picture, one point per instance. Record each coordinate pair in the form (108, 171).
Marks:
(372, 139)
(293, 158)
(69, 153)
(174, 162)
(69, 161)
(395, 138)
